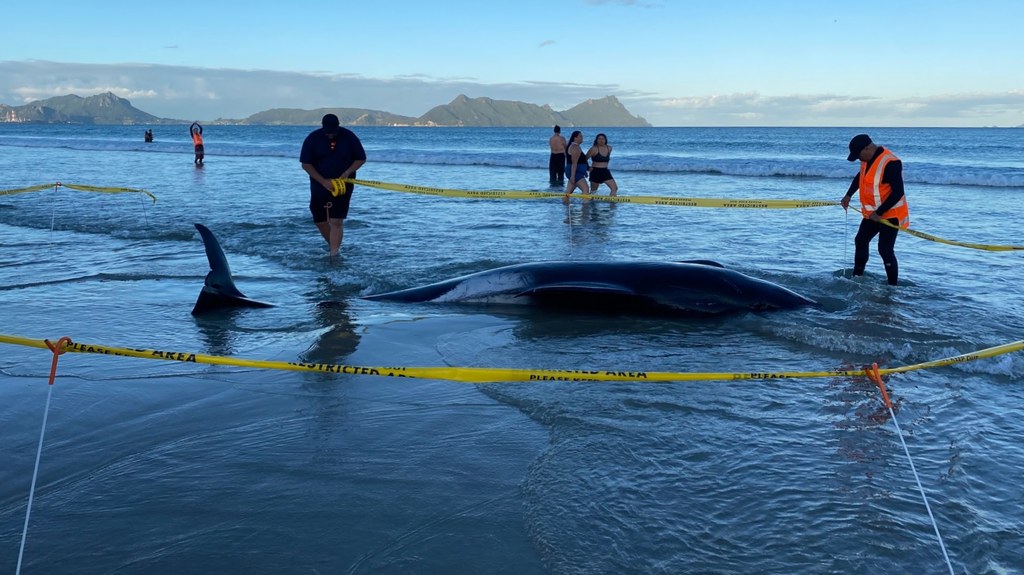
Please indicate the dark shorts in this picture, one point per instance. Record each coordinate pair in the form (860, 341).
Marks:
(581, 171)
(339, 204)
(199, 149)
(600, 175)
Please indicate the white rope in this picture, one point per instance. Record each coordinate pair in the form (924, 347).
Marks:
(145, 215)
(846, 239)
(35, 474)
(53, 215)
(568, 218)
(921, 488)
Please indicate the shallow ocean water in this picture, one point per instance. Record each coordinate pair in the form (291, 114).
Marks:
(154, 467)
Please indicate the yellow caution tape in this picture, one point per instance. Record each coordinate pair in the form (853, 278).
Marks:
(489, 194)
(657, 201)
(339, 188)
(650, 200)
(491, 375)
(79, 187)
(964, 358)
(922, 235)
(23, 190)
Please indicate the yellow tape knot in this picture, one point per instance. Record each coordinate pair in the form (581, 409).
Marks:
(339, 187)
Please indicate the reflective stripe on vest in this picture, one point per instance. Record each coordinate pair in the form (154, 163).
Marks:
(873, 191)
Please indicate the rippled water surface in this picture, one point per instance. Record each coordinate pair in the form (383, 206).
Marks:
(165, 467)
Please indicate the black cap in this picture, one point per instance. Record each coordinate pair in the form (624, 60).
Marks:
(857, 144)
(330, 123)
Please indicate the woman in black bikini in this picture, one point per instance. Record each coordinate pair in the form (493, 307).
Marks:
(600, 153)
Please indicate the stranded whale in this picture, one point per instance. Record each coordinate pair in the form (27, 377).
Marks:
(691, 288)
(695, 288)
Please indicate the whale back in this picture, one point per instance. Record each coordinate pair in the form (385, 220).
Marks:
(699, 287)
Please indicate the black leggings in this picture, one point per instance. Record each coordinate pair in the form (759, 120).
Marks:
(556, 168)
(886, 247)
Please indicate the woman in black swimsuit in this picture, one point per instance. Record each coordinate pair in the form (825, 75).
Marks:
(600, 153)
(576, 166)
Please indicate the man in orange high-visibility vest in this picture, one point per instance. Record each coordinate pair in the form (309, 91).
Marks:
(880, 182)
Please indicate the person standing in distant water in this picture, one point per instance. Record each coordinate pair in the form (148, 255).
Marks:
(882, 197)
(148, 136)
(329, 153)
(600, 154)
(196, 131)
(556, 165)
(576, 165)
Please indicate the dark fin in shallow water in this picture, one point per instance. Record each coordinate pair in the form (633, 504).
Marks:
(219, 291)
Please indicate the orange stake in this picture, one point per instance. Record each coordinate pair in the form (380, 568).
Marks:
(877, 378)
(57, 350)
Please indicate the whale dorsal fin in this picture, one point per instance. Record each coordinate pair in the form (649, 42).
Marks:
(219, 277)
(219, 289)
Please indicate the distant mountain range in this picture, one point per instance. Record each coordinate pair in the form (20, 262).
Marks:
(71, 109)
(462, 111)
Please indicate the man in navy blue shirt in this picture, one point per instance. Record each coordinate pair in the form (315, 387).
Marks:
(327, 154)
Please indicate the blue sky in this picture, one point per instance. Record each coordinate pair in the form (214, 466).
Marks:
(674, 62)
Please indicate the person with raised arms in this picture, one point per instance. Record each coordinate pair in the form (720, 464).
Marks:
(196, 131)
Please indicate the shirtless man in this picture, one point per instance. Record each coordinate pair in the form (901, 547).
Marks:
(556, 166)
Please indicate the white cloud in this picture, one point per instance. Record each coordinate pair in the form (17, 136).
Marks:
(1001, 108)
(31, 93)
(209, 93)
